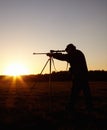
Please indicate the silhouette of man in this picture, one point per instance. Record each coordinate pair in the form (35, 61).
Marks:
(79, 72)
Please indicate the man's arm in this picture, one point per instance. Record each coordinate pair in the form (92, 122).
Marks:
(59, 56)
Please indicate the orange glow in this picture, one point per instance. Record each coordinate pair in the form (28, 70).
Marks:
(16, 69)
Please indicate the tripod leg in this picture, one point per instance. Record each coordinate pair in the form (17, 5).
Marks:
(54, 64)
(41, 71)
(45, 66)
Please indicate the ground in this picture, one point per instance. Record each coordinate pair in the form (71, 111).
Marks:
(26, 104)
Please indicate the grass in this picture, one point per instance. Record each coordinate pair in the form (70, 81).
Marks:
(25, 104)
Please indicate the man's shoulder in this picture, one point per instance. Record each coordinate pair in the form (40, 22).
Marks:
(79, 52)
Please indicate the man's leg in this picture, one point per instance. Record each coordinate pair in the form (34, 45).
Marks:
(74, 95)
(88, 96)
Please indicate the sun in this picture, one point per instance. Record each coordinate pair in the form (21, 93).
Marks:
(16, 69)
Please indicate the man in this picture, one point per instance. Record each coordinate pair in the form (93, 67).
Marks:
(79, 73)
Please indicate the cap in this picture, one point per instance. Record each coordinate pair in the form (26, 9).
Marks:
(70, 47)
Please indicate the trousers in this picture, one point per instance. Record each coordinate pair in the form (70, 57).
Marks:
(77, 87)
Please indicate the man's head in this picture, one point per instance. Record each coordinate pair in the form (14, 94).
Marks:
(70, 48)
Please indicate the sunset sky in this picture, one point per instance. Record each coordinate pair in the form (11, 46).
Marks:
(28, 26)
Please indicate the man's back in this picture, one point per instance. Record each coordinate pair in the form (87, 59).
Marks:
(78, 64)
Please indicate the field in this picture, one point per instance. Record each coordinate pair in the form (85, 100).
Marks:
(38, 105)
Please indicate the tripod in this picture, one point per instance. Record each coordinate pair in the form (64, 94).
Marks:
(50, 61)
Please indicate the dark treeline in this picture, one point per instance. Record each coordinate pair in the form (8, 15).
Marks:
(98, 75)
(95, 75)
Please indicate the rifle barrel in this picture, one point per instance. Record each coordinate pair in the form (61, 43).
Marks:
(38, 53)
(51, 51)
